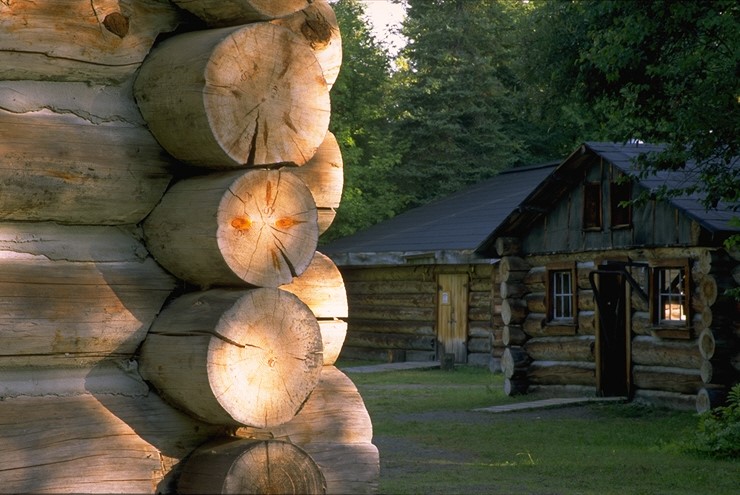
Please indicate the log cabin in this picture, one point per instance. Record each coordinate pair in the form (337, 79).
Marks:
(164, 177)
(416, 289)
(600, 295)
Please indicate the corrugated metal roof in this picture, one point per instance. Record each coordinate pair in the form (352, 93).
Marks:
(458, 222)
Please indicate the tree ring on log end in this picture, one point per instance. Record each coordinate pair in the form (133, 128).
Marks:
(235, 357)
(234, 97)
(267, 227)
(238, 466)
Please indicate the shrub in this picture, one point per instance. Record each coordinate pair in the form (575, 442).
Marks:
(718, 433)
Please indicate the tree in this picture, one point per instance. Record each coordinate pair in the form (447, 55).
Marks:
(360, 109)
(456, 99)
(664, 71)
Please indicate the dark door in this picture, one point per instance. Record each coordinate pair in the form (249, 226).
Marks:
(612, 334)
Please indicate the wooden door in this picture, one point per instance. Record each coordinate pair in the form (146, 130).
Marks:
(612, 333)
(452, 315)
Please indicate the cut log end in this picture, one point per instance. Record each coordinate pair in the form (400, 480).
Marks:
(251, 467)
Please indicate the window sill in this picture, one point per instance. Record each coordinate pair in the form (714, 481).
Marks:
(673, 332)
(563, 328)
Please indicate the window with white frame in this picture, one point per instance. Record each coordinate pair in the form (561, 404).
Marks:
(561, 284)
(670, 294)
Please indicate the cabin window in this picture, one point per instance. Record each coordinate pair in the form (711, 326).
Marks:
(670, 294)
(592, 206)
(561, 294)
(621, 210)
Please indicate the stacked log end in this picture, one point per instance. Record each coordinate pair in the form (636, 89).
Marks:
(165, 313)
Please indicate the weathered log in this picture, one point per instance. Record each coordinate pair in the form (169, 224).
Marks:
(235, 357)
(333, 333)
(71, 439)
(399, 287)
(710, 397)
(317, 24)
(641, 324)
(321, 288)
(515, 386)
(561, 373)
(348, 468)
(586, 300)
(583, 272)
(389, 340)
(706, 343)
(237, 466)
(391, 300)
(671, 400)
(513, 335)
(209, 105)
(479, 345)
(70, 161)
(513, 268)
(513, 311)
(717, 372)
(382, 326)
(561, 348)
(334, 413)
(400, 313)
(508, 246)
(67, 40)
(74, 295)
(586, 323)
(479, 329)
(705, 292)
(534, 324)
(514, 290)
(536, 302)
(235, 12)
(668, 379)
(255, 227)
(324, 176)
(535, 278)
(652, 351)
(514, 359)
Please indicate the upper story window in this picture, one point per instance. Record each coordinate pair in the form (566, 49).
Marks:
(592, 206)
(620, 209)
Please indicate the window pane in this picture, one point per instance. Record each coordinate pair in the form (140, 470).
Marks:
(562, 295)
(671, 284)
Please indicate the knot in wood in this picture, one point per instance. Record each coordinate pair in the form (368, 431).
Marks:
(117, 24)
(317, 30)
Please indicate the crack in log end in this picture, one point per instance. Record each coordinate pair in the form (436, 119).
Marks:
(289, 122)
(275, 260)
(117, 24)
(268, 193)
(241, 224)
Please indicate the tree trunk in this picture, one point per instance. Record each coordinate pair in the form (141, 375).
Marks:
(317, 24)
(235, 12)
(71, 164)
(73, 295)
(241, 466)
(324, 176)
(235, 357)
(95, 41)
(256, 227)
(211, 105)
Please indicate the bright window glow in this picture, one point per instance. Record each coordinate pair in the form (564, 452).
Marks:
(671, 295)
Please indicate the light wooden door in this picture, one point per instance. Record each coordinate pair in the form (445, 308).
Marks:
(452, 314)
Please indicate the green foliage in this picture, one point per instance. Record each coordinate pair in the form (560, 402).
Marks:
(719, 428)
(456, 98)
(360, 102)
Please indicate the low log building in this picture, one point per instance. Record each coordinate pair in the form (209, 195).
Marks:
(415, 287)
(603, 296)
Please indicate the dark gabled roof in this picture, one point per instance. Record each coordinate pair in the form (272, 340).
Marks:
(623, 156)
(456, 223)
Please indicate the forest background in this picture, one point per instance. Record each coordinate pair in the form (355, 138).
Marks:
(481, 86)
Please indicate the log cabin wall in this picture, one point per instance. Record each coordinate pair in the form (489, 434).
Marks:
(679, 347)
(393, 312)
(110, 351)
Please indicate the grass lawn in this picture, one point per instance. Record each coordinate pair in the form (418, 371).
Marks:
(431, 442)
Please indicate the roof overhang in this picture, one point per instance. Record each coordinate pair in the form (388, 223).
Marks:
(406, 258)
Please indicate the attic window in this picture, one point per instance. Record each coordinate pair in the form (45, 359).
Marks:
(592, 206)
(621, 210)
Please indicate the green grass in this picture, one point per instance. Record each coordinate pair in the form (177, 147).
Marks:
(431, 442)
